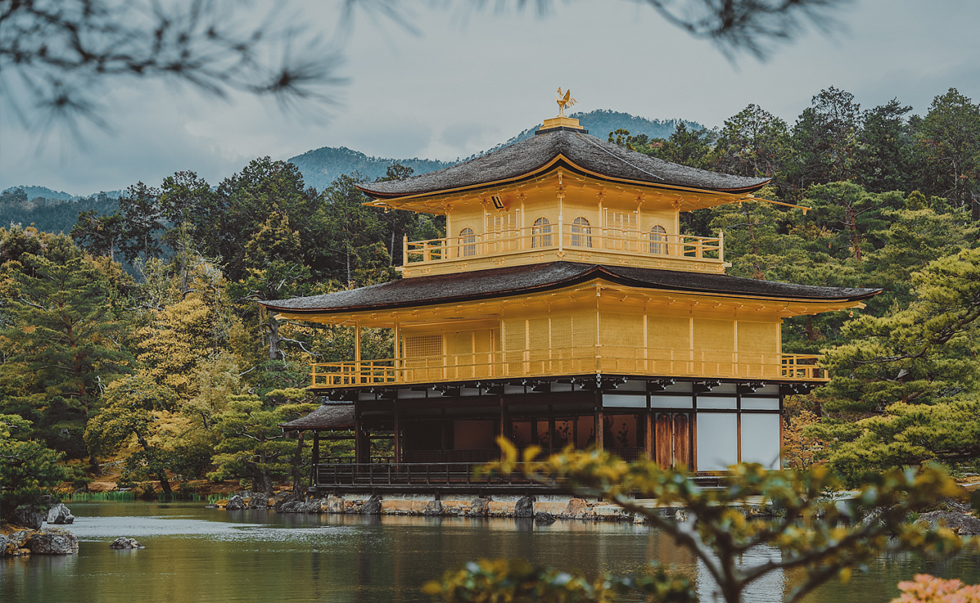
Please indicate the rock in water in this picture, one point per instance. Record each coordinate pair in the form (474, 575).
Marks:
(7, 546)
(524, 507)
(235, 503)
(258, 501)
(959, 523)
(544, 519)
(433, 508)
(60, 514)
(286, 499)
(53, 542)
(125, 543)
(28, 517)
(479, 507)
(372, 506)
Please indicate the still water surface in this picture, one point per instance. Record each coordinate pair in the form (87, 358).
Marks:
(197, 554)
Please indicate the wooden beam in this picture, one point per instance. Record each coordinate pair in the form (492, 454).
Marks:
(315, 458)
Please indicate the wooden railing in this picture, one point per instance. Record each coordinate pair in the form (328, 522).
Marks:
(614, 360)
(803, 368)
(446, 477)
(409, 476)
(563, 237)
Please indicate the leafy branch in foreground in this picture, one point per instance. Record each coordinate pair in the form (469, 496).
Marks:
(516, 580)
(822, 536)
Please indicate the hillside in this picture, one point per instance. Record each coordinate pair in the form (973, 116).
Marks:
(49, 213)
(33, 192)
(320, 167)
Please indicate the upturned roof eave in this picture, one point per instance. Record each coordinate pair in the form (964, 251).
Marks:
(560, 160)
(597, 272)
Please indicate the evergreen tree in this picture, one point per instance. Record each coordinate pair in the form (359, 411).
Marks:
(28, 470)
(884, 158)
(142, 221)
(905, 374)
(253, 446)
(754, 143)
(825, 139)
(62, 346)
(100, 235)
(949, 145)
(692, 148)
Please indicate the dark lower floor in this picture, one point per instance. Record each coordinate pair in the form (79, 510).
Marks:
(427, 436)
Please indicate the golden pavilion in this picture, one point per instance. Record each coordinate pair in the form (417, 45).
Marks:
(564, 306)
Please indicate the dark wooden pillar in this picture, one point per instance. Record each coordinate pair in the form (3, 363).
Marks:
(362, 441)
(398, 434)
(315, 458)
(551, 429)
(599, 422)
(503, 430)
(444, 434)
(648, 435)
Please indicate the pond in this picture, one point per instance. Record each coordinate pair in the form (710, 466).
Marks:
(193, 553)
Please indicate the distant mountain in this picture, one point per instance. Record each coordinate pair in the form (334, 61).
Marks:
(322, 166)
(49, 213)
(601, 122)
(43, 192)
(33, 192)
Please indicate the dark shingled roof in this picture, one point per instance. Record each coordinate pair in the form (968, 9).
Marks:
(588, 152)
(523, 280)
(328, 416)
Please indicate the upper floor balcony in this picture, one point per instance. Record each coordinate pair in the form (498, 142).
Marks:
(546, 242)
(586, 360)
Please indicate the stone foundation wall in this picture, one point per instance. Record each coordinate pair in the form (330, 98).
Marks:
(543, 509)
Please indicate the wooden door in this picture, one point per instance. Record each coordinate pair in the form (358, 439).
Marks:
(672, 439)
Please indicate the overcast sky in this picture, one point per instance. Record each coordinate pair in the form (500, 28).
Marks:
(464, 84)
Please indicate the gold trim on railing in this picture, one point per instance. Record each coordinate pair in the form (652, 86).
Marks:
(563, 236)
(569, 361)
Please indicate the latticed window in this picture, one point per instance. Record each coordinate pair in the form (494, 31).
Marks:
(658, 240)
(418, 346)
(467, 241)
(580, 233)
(541, 233)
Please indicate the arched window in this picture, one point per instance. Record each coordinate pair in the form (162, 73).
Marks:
(580, 233)
(541, 233)
(467, 242)
(658, 240)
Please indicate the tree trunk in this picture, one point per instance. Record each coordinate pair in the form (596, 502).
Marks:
(94, 465)
(852, 217)
(265, 480)
(273, 339)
